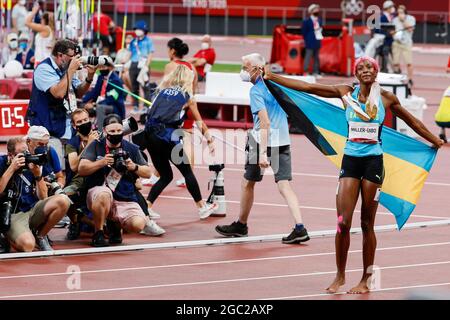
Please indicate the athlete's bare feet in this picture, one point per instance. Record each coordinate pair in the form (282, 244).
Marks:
(361, 288)
(337, 283)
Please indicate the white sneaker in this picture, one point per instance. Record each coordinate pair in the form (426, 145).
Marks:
(150, 182)
(153, 215)
(181, 183)
(152, 229)
(207, 210)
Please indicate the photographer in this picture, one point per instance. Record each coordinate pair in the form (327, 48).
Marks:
(54, 92)
(33, 213)
(111, 166)
(104, 94)
(75, 184)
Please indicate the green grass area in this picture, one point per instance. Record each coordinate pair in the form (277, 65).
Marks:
(159, 65)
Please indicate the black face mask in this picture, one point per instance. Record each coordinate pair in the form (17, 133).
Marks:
(85, 128)
(315, 14)
(104, 72)
(41, 150)
(114, 139)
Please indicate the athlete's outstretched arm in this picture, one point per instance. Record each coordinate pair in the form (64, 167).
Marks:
(411, 121)
(322, 90)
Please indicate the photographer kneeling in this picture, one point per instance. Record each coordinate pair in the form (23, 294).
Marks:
(111, 167)
(33, 213)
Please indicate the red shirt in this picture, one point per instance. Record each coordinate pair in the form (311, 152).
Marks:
(209, 55)
(104, 23)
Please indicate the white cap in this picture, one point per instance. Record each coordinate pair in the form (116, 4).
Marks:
(388, 4)
(312, 7)
(38, 133)
(11, 37)
(24, 36)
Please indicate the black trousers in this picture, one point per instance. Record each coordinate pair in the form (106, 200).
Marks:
(162, 154)
(134, 72)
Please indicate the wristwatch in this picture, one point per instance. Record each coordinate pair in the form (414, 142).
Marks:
(89, 81)
(39, 178)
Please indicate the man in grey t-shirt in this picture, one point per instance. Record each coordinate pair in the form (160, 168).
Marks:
(403, 41)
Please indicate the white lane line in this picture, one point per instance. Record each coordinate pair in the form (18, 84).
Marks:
(377, 290)
(184, 284)
(306, 207)
(441, 184)
(195, 264)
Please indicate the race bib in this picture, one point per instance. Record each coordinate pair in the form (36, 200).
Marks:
(113, 179)
(363, 132)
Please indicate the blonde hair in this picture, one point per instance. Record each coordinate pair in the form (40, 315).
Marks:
(181, 77)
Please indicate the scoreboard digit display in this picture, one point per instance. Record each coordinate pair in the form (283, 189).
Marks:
(12, 118)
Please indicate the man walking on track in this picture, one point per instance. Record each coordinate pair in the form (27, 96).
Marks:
(268, 144)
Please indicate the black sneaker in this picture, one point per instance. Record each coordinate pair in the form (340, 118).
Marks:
(235, 229)
(296, 236)
(114, 232)
(74, 231)
(443, 137)
(98, 239)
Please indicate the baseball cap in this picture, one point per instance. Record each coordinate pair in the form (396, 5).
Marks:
(388, 4)
(38, 133)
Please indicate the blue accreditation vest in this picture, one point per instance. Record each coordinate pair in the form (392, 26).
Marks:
(45, 110)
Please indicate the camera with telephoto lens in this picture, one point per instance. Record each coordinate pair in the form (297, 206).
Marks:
(120, 156)
(97, 61)
(55, 188)
(6, 210)
(37, 159)
(216, 167)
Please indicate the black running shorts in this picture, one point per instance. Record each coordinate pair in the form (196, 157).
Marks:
(370, 168)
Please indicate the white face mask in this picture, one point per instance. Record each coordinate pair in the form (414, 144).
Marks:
(139, 33)
(13, 44)
(205, 45)
(245, 76)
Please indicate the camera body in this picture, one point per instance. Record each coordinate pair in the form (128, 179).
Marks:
(37, 159)
(216, 167)
(55, 188)
(119, 160)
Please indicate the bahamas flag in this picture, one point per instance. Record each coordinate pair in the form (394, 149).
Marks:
(407, 161)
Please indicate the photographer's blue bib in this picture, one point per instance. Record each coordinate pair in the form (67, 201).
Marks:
(167, 114)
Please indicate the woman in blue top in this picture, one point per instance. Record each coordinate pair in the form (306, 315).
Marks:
(362, 168)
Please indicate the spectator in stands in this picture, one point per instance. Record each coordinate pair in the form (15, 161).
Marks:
(102, 23)
(387, 29)
(45, 34)
(34, 212)
(26, 54)
(52, 96)
(204, 58)
(105, 95)
(268, 144)
(312, 35)
(73, 22)
(19, 13)
(403, 41)
(123, 57)
(10, 52)
(142, 50)
(111, 188)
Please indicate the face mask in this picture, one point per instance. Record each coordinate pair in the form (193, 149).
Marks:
(104, 72)
(139, 33)
(315, 14)
(13, 44)
(245, 76)
(41, 150)
(205, 45)
(85, 128)
(115, 139)
(23, 46)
